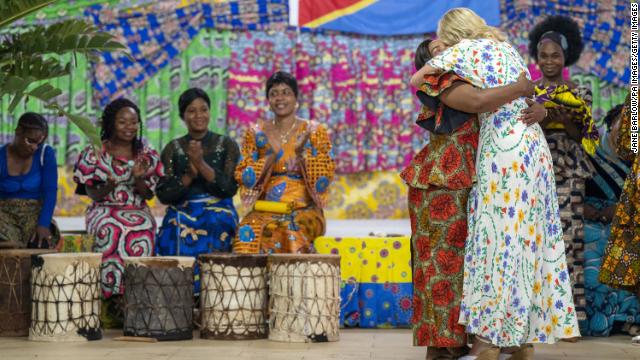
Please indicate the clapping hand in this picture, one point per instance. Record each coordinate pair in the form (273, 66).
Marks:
(195, 152)
(140, 168)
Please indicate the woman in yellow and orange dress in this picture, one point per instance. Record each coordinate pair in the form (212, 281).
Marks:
(621, 262)
(284, 176)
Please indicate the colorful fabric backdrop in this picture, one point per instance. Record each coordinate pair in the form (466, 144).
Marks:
(357, 86)
(156, 33)
(354, 84)
(605, 29)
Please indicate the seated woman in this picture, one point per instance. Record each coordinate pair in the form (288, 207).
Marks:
(28, 186)
(605, 306)
(198, 185)
(284, 175)
(119, 178)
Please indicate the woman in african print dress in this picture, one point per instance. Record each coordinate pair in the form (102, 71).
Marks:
(440, 177)
(284, 176)
(516, 287)
(607, 308)
(621, 264)
(571, 134)
(119, 178)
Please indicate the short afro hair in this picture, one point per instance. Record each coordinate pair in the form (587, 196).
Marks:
(189, 96)
(562, 25)
(282, 77)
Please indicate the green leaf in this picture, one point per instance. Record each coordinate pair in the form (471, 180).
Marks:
(85, 125)
(14, 85)
(74, 36)
(13, 10)
(37, 68)
(16, 100)
(44, 92)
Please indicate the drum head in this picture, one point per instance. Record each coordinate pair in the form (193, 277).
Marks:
(293, 258)
(161, 261)
(24, 252)
(239, 260)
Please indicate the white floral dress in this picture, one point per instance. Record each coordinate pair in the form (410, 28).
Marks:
(516, 286)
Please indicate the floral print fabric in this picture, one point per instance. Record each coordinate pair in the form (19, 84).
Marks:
(516, 286)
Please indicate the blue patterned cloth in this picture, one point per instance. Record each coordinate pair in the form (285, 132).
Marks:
(199, 226)
(605, 306)
(605, 29)
(157, 33)
(372, 305)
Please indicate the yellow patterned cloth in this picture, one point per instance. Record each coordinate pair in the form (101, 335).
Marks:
(578, 101)
(376, 287)
(373, 195)
(300, 179)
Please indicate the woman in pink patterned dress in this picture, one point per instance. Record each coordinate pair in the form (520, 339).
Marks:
(120, 178)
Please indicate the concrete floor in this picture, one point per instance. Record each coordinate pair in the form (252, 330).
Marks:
(353, 344)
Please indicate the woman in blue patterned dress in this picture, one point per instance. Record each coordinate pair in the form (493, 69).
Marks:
(198, 185)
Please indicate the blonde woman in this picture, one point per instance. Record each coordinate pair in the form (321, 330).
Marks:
(516, 287)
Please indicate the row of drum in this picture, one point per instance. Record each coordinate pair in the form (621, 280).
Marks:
(285, 297)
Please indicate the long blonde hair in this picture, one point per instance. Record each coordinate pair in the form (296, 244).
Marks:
(462, 23)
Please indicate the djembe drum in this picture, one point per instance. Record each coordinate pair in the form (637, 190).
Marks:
(234, 295)
(15, 290)
(65, 292)
(158, 296)
(304, 304)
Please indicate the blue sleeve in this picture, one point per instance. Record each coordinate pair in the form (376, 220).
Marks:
(3, 160)
(49, 186)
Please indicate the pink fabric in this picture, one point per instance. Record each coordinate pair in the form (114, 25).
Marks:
(357, 86)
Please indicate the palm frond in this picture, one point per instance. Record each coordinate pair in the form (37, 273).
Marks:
(84, 124)
(29, 58)
(71, 36)
(13, 10)
(37, 67)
